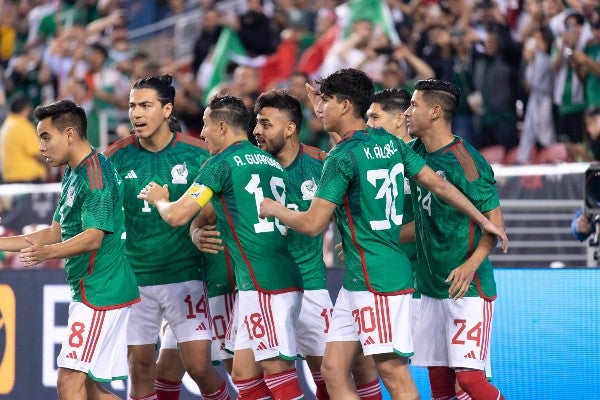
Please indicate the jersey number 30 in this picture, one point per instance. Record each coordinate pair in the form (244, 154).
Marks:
(386, 183)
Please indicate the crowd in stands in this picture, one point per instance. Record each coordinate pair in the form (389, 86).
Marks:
(529, 70)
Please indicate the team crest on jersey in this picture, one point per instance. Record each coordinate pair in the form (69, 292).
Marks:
(179, 174)
(70, 196)
(441, 173)
(308, 189)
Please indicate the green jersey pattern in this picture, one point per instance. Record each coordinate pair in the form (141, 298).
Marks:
(364, 175)
(445, 236)
(159, 253)
(219, 271)
(303, 174)
(241, 176)
(91, 198)
(410, 248)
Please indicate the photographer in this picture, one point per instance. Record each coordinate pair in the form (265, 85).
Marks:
(581, 226)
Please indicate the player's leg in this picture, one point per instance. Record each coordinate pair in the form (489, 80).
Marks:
(188, 314)
(386, 335)
(268, 324)
(341, 350)
(142, 334)
(469, 326)
(366, 379)
(221, 311)
(70, 384)
(95, 346)
(247, 375)
(169, 366)
(312, 327)
(95, 391)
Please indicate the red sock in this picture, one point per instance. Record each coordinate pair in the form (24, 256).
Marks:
(462, 395)
(370, 391)
(167, 390)
(321, 387)
(284, 385)
(151, 396)
(442, 380)
(220, 394)
(474, 383)
(252, 389)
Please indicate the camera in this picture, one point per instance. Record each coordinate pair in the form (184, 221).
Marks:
(591, 190)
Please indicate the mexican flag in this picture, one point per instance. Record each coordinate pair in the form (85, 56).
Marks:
(229, 47)
(376, 11)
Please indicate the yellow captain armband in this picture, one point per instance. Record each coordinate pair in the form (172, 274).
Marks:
(201, 193)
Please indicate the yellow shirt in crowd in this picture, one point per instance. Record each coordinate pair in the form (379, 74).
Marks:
(19, 146)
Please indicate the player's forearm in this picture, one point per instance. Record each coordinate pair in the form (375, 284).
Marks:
(407, 233)
(16, 243)
(83, 243)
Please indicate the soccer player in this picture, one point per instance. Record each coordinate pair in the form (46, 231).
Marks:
(278, 122)
(361, 180)
(86, 231)
(166, 262)
(237, 177)
(456, 277)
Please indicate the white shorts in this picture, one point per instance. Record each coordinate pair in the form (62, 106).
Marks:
(184, 305)
(221, 310)
(266, 323)
(453, 333)
(314, 322)
(167, 337)
(380, 323)
(96, 342)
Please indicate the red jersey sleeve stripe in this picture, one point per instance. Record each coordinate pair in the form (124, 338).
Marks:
(466, 161)
(313, 152)
(118, 145)
(94, 172)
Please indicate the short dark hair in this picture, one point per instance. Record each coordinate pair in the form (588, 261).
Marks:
(394, 99)
(165, 92)
(231, 110)
(352, 85)
(591, 111)
(99, 48)
(18, 103)
(283, 101)
(64, 114)
(442, 93)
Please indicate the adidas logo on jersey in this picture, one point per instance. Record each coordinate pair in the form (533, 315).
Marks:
(131, 175)
(72, 355)
(471, 354)
(369, 341)
(201, 327)
(261, 346)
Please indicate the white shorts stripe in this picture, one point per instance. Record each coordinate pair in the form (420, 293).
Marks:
(92, 339)
(265, 308)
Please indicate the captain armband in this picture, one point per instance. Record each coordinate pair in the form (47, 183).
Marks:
(201, 193)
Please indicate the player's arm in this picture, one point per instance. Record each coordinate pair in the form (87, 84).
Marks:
(204, 233)
(407, 233)
(310, 222)
(462, 276)
(180, 211)
(47, 235)
(38, 251)
(451, 195)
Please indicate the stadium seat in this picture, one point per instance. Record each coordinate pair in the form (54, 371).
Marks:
(553, 154)
(511, 156)
(493, 154)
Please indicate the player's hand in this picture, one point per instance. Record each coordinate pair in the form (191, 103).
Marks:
(583, 225)
(499, 232)
(33, 255)
(340, 250)
(207, 239)
(268, 207)
(315, 98)
(153, 193)
(461, 278)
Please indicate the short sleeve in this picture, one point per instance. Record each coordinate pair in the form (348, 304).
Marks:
(337, 173)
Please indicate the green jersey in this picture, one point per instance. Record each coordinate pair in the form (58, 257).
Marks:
(219, 272)
(91, 198)
(445, 236)
(303, 174)
(159, 253)
(410, 248)
(592, 82)
(364, 175)
(241, 176)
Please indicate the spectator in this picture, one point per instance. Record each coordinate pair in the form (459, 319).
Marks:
(568, 88)
(589, 150)
(539, 123)
(588, 66)
(210, 29)
(22, 161)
